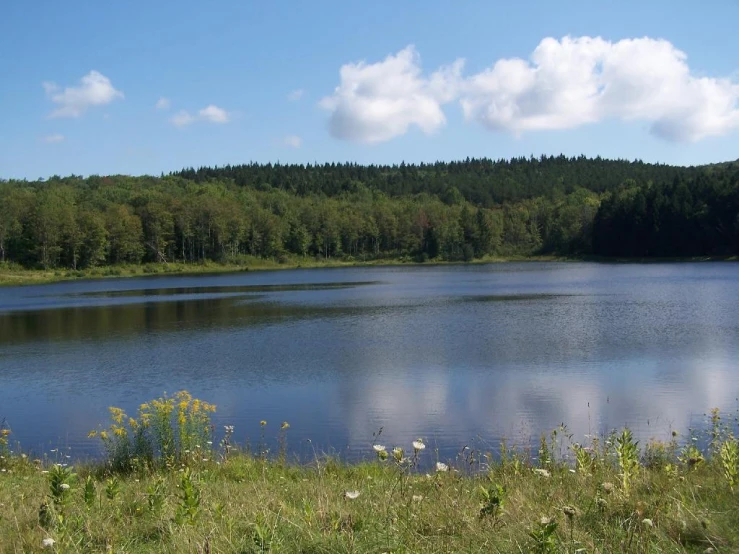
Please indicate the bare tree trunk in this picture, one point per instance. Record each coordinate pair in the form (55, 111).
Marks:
(158, 253)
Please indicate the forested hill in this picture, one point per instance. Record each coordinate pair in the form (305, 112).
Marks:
(483, 182)
(443, 211)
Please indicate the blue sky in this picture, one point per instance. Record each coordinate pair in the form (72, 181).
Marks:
(378, 82)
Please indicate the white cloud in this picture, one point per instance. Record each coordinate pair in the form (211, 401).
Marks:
(380, 101)
(50, 139)
(582, 80)
(214, 114)
(565, 84)
(163, 103)
(182, 118)
(295, 95)
(293, 141)
(95, 89)
(211, 114)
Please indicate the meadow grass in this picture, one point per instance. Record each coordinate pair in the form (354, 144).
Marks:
(165, 487)
(14, 274)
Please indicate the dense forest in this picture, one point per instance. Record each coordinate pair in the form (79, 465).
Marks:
(443, 211)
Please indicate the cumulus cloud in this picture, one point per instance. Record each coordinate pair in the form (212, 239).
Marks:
(51, 139)
(182, 119)
(582, 80)
(163, 103)
(95, 89)
(295, 95)
(214, 114)
(380, 101)
(564, 84)
(293, 141)
(211, 114)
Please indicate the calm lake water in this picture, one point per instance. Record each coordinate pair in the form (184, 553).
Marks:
(458, 355)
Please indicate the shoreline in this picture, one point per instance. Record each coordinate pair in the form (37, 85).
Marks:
(14, 275)
(610, 495)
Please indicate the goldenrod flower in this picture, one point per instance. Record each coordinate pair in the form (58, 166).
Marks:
(117, 414)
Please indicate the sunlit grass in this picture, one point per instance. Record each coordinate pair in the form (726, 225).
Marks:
(13, 274)
(174, 494)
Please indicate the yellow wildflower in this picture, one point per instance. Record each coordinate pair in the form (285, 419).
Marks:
(117, 414)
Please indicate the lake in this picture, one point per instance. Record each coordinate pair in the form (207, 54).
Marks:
(457, 355)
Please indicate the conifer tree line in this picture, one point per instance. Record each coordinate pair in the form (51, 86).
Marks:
(444, 211)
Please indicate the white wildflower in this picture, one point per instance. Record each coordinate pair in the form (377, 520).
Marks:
(47, 543)
(648, 522)
(378, 447)
(441, 466)
(542, 472)
(64, 487)
(351, 495)
(418, 445)
(417, 498)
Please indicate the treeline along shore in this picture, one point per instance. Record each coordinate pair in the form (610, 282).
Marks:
(457, 211)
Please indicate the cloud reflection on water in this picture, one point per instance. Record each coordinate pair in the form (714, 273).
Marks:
(449, 354)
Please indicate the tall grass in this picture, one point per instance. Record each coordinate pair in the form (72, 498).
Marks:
(153, 494)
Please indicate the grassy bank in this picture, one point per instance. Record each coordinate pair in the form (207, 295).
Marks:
(165, 488)
(14, 275)
(246, 504)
